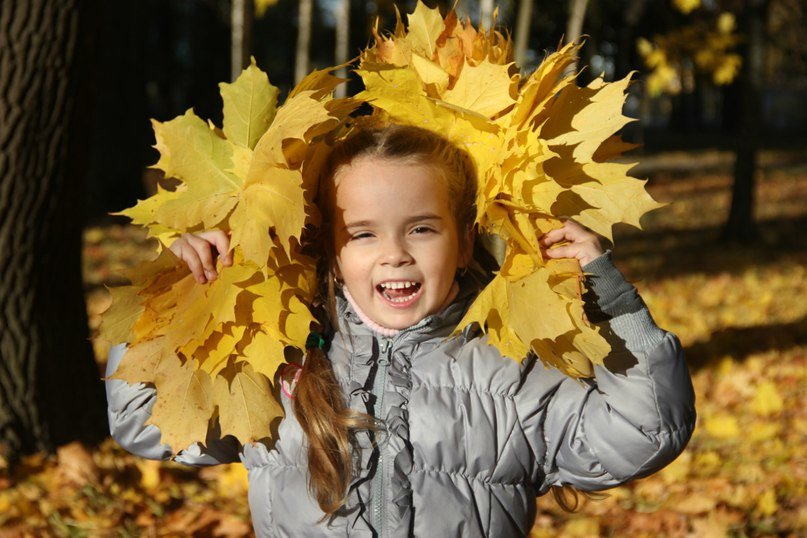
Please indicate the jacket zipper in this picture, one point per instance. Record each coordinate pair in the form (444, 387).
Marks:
(378, 504)
(379, 490)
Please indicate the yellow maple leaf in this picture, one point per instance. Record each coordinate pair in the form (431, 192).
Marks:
(220, 347)
(183, 337)
(264, 352)
(430, 73)
(302, 117)
(184, 394)
(246, 404)
(249, 106)
(119, 318)
(275, 201)
(192, 152)
(425, 26)
(541, 147)
(484, 88)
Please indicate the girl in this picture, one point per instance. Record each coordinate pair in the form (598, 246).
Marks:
(396, 429)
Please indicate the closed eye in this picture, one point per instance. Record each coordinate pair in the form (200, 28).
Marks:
(361, 235)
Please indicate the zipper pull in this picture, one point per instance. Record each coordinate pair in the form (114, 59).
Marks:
(384, 356)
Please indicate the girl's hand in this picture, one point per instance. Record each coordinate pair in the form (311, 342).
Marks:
(583, 244)
(199, 252)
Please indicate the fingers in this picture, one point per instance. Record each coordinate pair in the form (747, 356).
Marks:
(563, 251)
(553, 236)
(221, 241)
(205, 254)
(199, 252)
(583, 244)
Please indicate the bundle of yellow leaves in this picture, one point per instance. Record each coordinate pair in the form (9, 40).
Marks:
(540, 146)
(211, 350)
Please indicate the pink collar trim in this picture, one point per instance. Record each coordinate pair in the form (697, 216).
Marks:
(375, 327)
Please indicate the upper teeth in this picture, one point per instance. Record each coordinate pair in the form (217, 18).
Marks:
(397, 285)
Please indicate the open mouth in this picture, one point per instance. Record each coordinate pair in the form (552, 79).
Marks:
(399, 292)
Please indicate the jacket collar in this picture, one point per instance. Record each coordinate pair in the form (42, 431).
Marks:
(441, 324)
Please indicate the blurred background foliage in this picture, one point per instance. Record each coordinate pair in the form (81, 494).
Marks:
(719, 95)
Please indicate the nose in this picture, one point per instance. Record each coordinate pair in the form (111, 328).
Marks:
(395, 253)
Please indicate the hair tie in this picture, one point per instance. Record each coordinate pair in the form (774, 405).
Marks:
(288, 386)
(315, 341)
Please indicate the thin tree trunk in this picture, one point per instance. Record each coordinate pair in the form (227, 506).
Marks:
(740, 225)
(523, 24)
(342, 41)
(241, 16)
(574, 25)
(50, 388)
(303, 40)
(486, 13)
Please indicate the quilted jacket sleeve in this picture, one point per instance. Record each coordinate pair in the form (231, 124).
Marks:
(129, 408)
(633, 418)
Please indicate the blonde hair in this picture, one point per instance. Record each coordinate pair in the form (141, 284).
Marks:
(319, 403)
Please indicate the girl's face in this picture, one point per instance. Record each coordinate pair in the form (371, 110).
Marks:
(396, 240)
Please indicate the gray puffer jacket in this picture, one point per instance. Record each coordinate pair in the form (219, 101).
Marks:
(471, 438)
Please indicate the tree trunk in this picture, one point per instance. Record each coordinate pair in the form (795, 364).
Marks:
(740, 225)
(486, 13)
(303, 40)
(50, 387)
(574, 25)
(342, 16)
(241, 16)
(522, 37)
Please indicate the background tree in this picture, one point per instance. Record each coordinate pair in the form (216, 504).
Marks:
(50, 388)
(740, 225)
(241, 16)
(303, 40)
(521, 37)
(342, 28)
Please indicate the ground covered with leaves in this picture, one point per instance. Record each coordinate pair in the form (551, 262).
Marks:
(739, 310)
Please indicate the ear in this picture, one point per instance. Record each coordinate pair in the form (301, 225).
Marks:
(336, 274)
(466, 248)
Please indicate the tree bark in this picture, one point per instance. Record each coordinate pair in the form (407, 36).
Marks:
(342, 41)
(486, 13)
(50, 387)
(303, 40)
(574, 25)
(740, 225)
(241, 17)
(523, 25)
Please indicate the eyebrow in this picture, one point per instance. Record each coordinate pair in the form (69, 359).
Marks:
(410, 220)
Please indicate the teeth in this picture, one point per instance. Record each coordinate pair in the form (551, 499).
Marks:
(397, 285)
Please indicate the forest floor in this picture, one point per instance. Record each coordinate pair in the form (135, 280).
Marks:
(739, 309)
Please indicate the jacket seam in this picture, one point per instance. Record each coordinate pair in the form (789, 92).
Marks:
(463, 388)
(660, 438)
(465, 476)
(274, 465)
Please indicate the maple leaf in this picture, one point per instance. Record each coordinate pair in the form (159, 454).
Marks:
(425, 27)
(484, 88)
(246, 404)
(184, 394)
(273, 202)
(249, 106)
(541, 147)
(213, 349)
